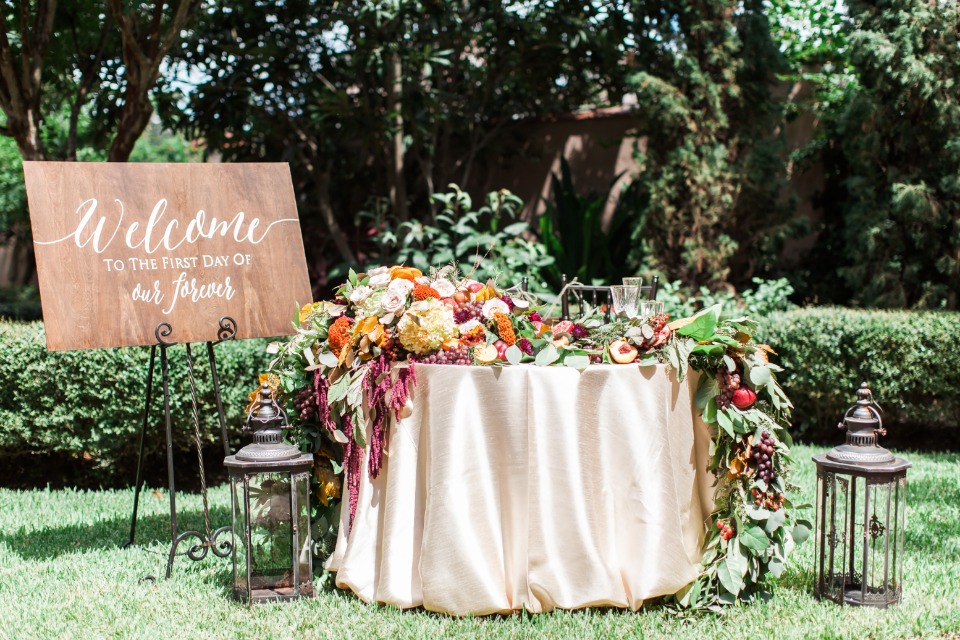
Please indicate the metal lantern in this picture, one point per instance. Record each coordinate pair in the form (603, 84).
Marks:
(270, 483)
(861, 504)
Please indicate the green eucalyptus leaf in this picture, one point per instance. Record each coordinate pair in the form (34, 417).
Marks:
(703, 325)
(328, 359)
(547, 356)
(801, 531)
(775, 521)
(707, 390)
(578, 362)
(753, 537)
(725, 423)
(776, 567)
(514, 354)
(760, 376)
(338, 391)
(731, 572)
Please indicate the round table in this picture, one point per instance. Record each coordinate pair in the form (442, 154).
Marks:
(533, 487)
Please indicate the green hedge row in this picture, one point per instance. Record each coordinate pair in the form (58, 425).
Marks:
(911, 361)
(87, 405)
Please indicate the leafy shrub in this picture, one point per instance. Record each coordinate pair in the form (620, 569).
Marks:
(491, 238)
(571, 228)
(88, 405)
(911, 361)
(20, 303)
(770, 296)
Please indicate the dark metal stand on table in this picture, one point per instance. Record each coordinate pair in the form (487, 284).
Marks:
(207, 539)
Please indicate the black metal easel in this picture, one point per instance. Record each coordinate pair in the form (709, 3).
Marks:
(207, 539)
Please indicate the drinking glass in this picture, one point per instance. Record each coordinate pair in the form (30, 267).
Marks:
(625, 300)
(649, 308)
(633, 282)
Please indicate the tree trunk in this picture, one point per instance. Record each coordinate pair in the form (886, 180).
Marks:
(395, 177)
(329, 218)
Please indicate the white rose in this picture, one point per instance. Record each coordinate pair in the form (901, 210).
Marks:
(378, 271)
(380, 280)
(422, 280)
(492, 306)
(468, 326)
(401, 286)
(444, 287)
(393, 301)
(359, 294)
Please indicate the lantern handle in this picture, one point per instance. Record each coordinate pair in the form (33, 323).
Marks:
(265, 392)
(866, 401)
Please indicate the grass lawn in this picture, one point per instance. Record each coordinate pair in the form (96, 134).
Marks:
(62, 575)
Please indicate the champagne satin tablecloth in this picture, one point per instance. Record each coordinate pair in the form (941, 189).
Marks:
(533, 487)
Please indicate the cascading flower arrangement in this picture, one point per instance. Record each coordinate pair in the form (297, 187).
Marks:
(352, 364)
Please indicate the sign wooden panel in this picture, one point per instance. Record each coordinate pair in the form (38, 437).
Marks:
(122, 247)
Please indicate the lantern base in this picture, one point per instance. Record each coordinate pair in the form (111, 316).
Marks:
(277, 594)
(853, 595)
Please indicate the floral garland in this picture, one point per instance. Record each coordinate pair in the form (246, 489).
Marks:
(353, 361)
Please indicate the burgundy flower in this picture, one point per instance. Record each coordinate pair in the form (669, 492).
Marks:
(535, 317)
(509, 302)
(578, 331)
(526, 346)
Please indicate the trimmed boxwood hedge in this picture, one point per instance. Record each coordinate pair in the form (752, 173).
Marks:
(87, 405)
(910, 359)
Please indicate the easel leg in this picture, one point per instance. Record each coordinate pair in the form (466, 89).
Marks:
(164, 368)
(216, 393)
(143, 437)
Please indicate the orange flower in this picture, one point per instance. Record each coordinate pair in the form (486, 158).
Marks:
(505, 328)
(422, 292)
(338, 335)
(404, 273)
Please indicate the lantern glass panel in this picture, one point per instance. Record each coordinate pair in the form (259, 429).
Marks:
(238, 496)
(271, 531)
(305, 554)
(832, 532)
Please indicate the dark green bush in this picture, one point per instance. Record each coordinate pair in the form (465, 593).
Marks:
(910, 359)
(87, 405)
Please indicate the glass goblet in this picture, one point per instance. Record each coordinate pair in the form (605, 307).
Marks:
(624, 300)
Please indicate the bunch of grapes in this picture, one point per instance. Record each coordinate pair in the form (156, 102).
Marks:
(763, 454)
(466, 311)
(305, 402)
(729, 382)
(461, 355)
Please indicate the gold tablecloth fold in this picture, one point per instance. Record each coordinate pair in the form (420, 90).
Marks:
(533, 487)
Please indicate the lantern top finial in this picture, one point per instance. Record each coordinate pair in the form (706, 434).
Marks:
(863, 424)
(267, 421)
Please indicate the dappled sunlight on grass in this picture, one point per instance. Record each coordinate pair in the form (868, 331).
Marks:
(63, 574)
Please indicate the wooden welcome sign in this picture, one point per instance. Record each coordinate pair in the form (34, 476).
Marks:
(123, 247)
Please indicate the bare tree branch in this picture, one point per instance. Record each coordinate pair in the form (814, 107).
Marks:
(89, 76)
(127, 35)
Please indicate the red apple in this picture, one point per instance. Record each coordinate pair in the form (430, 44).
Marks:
(474, 287)
(450, 302)
(461, 296)
(743, 398)
(501, 349)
